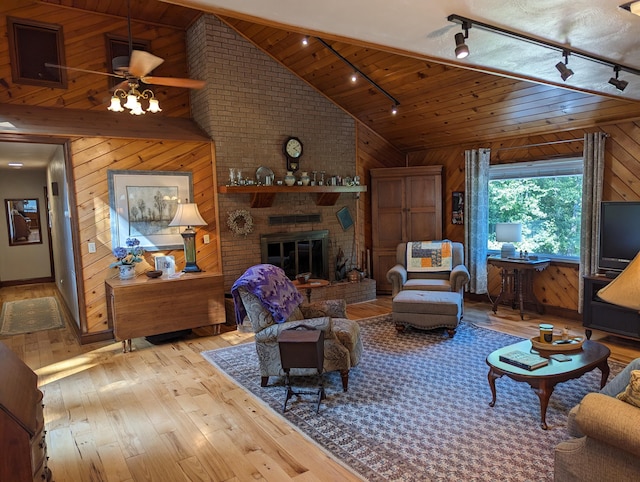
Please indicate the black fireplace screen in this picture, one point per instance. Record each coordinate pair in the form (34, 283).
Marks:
(298, 252)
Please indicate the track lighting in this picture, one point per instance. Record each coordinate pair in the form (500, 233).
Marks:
(359, 74)
(462, 50)
(305, 41)
(617, 83)
(565, 72)
(394, 109)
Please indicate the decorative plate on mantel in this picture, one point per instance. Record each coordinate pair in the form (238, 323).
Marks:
(262, 173)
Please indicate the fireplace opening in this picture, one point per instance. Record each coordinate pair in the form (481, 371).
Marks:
(298, 252)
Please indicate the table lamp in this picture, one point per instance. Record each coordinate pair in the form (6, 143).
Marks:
(508, 233)
(188, 215)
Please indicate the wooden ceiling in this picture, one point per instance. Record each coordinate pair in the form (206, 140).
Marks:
(440, 105)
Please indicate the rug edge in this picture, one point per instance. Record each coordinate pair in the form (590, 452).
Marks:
(280, 416)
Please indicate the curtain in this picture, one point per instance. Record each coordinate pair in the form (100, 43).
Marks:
(476, 216)
(592, 175)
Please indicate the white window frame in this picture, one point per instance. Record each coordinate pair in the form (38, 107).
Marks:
(570, 166)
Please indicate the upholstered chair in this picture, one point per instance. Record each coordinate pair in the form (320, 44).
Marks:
(608, 443)
(454, 280)
(342, 340)
(21, 227)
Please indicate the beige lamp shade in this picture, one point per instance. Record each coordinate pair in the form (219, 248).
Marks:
(188, 215)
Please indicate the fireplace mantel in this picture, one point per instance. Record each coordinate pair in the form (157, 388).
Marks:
(263, 196)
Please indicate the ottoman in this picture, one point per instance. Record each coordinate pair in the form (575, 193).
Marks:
(427, 310)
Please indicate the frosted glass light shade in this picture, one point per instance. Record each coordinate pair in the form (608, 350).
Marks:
(508, 233)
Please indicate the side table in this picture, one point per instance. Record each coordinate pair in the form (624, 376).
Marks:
(310, 285)
(517, 281)
(302, 348)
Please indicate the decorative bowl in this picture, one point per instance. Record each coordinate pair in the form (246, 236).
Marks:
(154, 274)
(302, 278)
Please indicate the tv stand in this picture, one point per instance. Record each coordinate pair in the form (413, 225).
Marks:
(611, 274)
(600, 315)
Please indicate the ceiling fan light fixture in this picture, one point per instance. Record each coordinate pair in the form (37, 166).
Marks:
(116, 105)
(154, 106)
(132, 100)
(462, 50)
(137, 109)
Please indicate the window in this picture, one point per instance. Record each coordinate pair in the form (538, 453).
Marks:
(31, 46)
(119, 47)
(546, 198)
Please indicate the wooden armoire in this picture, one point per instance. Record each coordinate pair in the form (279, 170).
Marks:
(406, 205)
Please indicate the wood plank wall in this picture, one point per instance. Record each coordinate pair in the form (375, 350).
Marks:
(85, 47)
(558, 285)
(372, 152)
(92, 157)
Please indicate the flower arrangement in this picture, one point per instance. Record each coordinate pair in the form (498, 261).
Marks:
(130, 255)
(240, 222)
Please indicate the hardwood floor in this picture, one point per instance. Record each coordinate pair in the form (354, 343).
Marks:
(162, 413)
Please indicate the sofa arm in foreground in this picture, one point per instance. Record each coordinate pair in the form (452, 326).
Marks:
(610, 449)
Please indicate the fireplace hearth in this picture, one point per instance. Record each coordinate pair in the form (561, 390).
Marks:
(299, 252)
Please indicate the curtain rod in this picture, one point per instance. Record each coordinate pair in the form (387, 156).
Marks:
(527, 146)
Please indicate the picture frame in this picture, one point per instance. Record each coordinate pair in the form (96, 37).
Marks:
(457, 207)
(143, 203)
(166, 264)
(344, 218)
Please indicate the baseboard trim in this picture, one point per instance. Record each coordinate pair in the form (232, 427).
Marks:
(31, 281)
(548, 309)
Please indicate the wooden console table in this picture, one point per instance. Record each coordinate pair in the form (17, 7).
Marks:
(144, 306)
(517, 281)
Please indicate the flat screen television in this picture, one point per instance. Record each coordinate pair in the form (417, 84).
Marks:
(619, 235)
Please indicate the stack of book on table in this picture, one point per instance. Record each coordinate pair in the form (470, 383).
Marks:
(521, 359)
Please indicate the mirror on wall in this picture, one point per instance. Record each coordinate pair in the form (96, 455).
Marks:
(23, 221)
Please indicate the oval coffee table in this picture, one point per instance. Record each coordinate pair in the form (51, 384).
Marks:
(543, 380)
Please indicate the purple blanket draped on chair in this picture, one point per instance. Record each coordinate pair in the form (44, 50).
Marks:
(270, 284)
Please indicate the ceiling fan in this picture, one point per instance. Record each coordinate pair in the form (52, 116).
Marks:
(134, 70)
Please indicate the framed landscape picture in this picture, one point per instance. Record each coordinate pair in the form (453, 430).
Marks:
(143, 203)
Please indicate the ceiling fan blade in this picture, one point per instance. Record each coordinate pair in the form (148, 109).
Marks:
(142, 63)
(174, 82)
(82, 70)
(124, 85)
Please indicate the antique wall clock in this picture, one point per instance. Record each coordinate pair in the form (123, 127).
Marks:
(292, 151)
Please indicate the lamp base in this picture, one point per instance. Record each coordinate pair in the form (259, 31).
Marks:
(191, 268)
(508, 250)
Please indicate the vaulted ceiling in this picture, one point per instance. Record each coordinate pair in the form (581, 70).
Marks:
(440, 103)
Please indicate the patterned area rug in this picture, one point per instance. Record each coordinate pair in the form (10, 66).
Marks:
(417, 408)
(26, 316)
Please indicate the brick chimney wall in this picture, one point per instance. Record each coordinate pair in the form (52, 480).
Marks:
(249, 106)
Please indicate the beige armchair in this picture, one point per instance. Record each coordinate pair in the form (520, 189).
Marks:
(609, 443)
(453, 281)
(342, 341)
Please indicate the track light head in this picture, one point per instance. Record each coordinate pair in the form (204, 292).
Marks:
(305, 41)
(462, 50)
(394, 109)
(565, 72)
(617, 83)
(354, 77)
